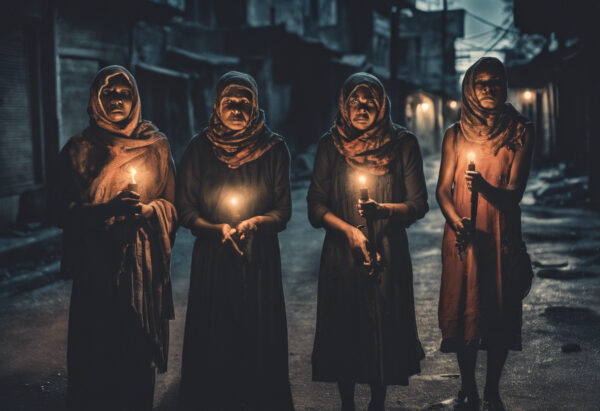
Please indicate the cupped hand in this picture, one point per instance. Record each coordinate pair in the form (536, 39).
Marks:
(372, 209)
(475, 180)
(125, 203)
(246, 227)
(227, 233)
(464, 231)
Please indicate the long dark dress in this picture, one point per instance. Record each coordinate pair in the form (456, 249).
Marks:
(366, 332)
(235, 348)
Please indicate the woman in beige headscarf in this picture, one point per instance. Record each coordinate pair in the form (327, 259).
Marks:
(117, 242)
(480, 298)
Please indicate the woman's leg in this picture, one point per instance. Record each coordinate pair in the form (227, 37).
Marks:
(347, 394)
(467, 358)
(495, 363)
(377, 397)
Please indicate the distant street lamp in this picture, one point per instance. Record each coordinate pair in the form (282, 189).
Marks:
(527, 96)
(425, 107)
(453, 104)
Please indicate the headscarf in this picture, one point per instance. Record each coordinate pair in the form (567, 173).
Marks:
(506, 126)
(238, 147)
(370, 150)
(130, 127)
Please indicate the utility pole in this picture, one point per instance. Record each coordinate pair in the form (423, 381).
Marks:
(394, 22)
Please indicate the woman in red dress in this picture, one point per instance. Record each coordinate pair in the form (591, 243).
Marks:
(480, 297)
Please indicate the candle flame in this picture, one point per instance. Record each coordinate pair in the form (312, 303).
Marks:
(471, 157)
(133, 173)
(233, 201)
(362, 179)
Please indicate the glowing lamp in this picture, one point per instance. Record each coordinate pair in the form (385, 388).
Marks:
(425, 106)
(453, 104)
(132, 186)
(528, 96)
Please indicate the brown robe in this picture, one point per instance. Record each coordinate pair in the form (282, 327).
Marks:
(121, 300)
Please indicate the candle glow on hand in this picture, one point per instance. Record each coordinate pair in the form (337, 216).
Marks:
(133, 173)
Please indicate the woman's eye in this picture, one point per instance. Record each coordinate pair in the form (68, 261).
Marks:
(105, 92)
(354, 101)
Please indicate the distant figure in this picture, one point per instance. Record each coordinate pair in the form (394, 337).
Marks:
(486, 271)
(233, 193)
(366, 330)
(113, 197)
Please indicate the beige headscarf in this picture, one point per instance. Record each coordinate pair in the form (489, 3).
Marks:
(506, 126)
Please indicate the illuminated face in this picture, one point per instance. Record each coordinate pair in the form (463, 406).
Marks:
(235, 108)
(489, 89)
(362, 108)
(117, 99)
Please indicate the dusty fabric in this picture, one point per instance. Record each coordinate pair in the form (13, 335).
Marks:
(501, 126)
(120, 267)
(238, 147)
(370, 150)
(366, 331)
(235, 353)
(475, 300)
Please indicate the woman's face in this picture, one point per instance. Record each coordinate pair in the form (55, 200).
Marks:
(117, 99)
(489, 89)
(362, 108)
(235, 108)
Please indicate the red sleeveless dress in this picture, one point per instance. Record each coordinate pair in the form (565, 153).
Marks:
(473, 301)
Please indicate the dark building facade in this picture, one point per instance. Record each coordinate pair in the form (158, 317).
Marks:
(300, 51)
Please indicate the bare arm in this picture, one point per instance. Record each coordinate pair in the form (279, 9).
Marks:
(446, 180)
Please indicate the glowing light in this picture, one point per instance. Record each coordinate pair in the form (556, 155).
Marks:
(471, 157)
(425, 106)
(528, 96)
(234, 201)
(133, 172)
(362, 179)
(453, 104)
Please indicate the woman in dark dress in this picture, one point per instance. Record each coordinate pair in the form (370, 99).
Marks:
(117, 242)
(366, 329)
(233, 192)
(484, 277)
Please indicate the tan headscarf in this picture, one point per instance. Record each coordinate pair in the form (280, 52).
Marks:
(506, 126)
(370, 150)
(238, 147)
(98, 116)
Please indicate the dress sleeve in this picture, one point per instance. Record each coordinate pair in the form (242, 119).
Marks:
(414, 179)
(188, 186)
(318, 192)
(282, 210)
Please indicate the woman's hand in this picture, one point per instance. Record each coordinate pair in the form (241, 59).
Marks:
(464, 231)
(125, 203)
(227, 233)
(359, 245)
(475, 182)
(372, 209)
(146, 212)
(246, 227)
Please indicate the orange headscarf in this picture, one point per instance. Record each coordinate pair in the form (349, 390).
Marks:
(371, 150)
(238, 147)
(506, 126)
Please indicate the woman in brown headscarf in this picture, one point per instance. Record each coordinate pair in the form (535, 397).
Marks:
(117, 242)
(233, 192)
(480, 300)
(366, 329)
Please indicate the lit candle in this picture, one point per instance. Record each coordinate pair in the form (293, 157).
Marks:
(133, 186)
(234, 203)
(471, 157)
(364, 190)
